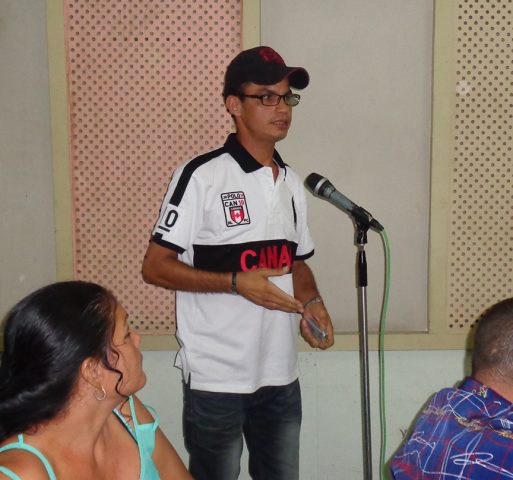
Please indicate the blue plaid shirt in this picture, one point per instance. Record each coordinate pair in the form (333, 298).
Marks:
(463, 433)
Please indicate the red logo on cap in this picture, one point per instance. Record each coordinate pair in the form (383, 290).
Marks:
(269, 55)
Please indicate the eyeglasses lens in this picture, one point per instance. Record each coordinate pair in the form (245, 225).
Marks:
(291, 100)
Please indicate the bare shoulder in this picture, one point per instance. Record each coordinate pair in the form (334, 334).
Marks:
(142, 413)
(167, 461)
(24, 464)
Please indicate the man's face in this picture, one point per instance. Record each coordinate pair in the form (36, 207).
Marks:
(263, 122)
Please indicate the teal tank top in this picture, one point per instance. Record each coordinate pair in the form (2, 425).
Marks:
(21, 445)
(143, 434)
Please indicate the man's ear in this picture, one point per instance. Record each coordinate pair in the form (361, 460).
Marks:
(233, 105)
(91, 371)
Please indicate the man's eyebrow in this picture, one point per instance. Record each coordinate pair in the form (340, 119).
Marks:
(268, 90)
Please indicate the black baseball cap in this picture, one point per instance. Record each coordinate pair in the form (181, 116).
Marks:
(263, 66)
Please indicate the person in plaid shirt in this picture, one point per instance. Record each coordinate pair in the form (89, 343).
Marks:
(467, 432)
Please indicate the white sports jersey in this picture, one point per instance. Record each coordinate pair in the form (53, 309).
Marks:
(224, 212)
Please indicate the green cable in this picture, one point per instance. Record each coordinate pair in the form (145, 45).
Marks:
(382, 412)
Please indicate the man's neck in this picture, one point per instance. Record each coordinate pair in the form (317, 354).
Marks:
(262, 152)
(496, 383)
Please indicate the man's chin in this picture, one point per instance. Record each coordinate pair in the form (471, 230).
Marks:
(280, 136)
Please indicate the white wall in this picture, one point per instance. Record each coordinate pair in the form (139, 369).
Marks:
(331, 445)
(364, 122)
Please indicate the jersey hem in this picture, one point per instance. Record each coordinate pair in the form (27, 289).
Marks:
(214, 387)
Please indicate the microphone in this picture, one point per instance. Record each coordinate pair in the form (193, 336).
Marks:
(323, 188)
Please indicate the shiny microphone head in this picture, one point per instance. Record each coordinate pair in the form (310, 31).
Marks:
(319, 185)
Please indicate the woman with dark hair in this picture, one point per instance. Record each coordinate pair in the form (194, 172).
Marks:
(69, 372)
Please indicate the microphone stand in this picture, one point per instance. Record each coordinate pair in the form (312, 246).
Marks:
(363, 220)
(361, 272)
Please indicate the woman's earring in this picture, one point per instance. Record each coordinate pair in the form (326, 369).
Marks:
(100, 393)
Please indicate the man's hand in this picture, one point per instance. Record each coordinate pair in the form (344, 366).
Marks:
(318, 312)
(255, 286)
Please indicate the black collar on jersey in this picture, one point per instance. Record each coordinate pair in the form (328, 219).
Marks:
(244, 158)
(235, 149)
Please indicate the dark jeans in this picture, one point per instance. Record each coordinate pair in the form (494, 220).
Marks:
(269, 419)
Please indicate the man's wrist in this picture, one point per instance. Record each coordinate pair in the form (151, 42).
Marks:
(234, 283)
(317, 299)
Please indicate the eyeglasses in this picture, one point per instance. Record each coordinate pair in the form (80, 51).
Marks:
(273, 99)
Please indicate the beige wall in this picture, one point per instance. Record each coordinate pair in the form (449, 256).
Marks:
(27, 237)
(341, 296)
(331, 445)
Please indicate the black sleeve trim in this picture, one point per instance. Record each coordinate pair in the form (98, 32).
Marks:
(304, 257)
(157, 238)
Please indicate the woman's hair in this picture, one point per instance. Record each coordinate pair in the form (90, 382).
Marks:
(47, 336)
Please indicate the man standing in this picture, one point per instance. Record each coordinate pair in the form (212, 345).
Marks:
(467, 432)
(232, 240)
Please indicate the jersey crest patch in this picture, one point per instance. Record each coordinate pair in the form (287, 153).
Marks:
(235, 209)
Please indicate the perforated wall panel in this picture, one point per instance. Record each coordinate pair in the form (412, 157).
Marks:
(145, 81)
(481, 210)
